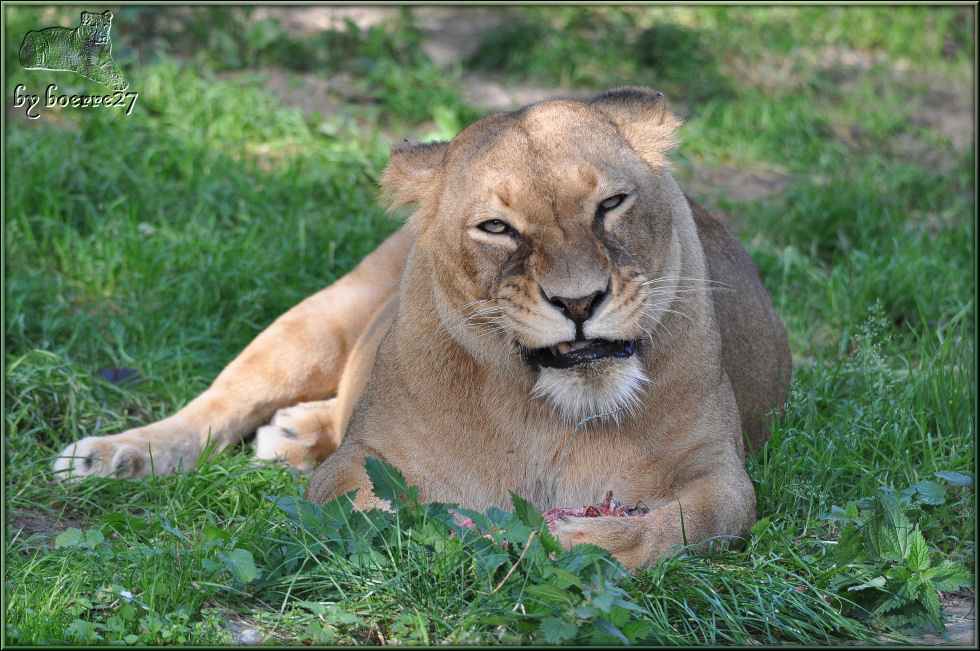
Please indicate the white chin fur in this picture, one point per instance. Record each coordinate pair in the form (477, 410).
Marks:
(611, 388)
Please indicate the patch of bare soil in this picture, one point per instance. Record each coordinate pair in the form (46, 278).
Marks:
(950, 109)
(453, 33)
(306, 21)
(450, 35)
(25, 523)
(307, 91)
(939, 102)
(960, 609)
(953, 113)
(491, 95)
(711, 183)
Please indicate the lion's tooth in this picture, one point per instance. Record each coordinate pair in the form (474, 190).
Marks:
(564, 348)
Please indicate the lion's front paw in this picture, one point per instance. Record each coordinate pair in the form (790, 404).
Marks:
(611, 532)
(101, 456)
(628, 538)
(300, 435)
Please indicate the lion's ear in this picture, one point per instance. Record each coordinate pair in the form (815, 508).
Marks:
(642, 117)
(412, 173)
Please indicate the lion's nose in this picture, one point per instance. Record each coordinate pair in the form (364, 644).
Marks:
(577, 309)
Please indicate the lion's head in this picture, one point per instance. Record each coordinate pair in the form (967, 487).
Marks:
(551, 236)
(98, 26)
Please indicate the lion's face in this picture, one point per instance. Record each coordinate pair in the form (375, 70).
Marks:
(98, 25)
(549, 238)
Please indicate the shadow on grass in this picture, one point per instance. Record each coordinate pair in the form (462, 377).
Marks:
(584, 48)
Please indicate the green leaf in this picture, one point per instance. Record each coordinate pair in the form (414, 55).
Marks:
(480, 520)
(877, 583)
(606, 627)
(169, 528)
(321, 519)
(557, 630)
(850, 546)
(499, 517)
(314, 607)
(760, 526)
(929, 492)
(549, 594)
(212, 532)
(526, 512)
(883, 540)
(563, 578)
(954, 478)
(489, 561)
(84, 631)
(241, 564)
(517, 533)
(70, 537)
(629, 605)
(889, 603)
(918, 556)
(603, 600)
(337, 615)
(126, 524)
(636, 630)
(389, 484)
(933, 611)
(889, 506)
(949, 576)
(550, 543)
(336, 512)
(589, 557)
(902, 581)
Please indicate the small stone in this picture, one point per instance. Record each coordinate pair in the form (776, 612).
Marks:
(249, 637)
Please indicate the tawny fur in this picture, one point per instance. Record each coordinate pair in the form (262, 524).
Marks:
(421, 343)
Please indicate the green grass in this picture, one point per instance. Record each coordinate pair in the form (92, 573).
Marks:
(165, 240)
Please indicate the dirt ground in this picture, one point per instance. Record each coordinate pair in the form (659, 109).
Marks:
(452, 33)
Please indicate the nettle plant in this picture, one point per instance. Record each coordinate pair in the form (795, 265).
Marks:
(885, 564)
(420, 553)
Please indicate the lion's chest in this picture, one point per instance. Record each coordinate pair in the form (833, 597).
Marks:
(549, 469)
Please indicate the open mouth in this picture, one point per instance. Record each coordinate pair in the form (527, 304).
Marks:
(574, 353)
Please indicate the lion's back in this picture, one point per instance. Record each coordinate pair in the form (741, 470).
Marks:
(51, 49)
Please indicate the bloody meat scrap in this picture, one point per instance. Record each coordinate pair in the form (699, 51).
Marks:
(608, 507)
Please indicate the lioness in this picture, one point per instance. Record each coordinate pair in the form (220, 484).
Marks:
(85, 49)
(552, 274)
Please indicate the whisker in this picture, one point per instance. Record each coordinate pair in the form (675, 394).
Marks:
(664, 279)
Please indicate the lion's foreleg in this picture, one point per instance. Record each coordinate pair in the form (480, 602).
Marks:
(299, 358)
(709, 511)
(344, 471)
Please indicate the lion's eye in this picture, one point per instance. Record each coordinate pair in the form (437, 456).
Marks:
(496, 227)
(608, 204)
(611, 202)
